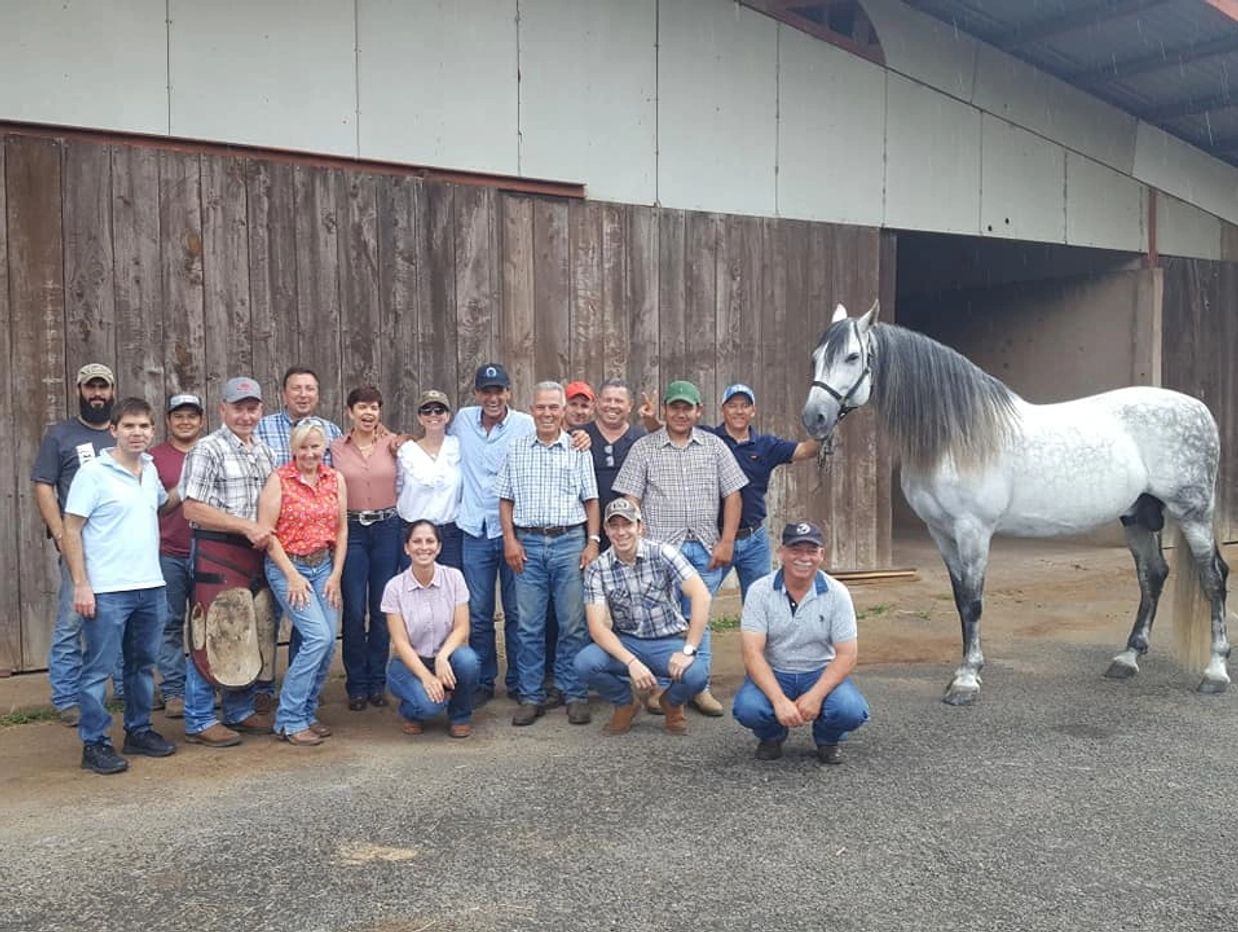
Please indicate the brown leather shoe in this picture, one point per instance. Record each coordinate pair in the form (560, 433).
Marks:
(321, 730)
(264, 704)
(676, 722)
(461, 730)
(705, 703)
(301, 739)
(256, 724)
(217, 736)
(651, 702)
(621, 718)
(174, 707)
(411, 728)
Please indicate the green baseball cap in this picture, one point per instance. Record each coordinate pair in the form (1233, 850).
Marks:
(682, 391)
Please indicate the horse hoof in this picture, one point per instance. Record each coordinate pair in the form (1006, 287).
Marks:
(956, 696)
(1212, 687)
(1120, 671)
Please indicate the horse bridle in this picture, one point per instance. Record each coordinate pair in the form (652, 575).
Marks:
(844, 398)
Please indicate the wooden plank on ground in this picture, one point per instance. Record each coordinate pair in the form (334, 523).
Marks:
(642, 307)
(552, 292)
(701, 308)
(516, 325)
(361, 322)
(12, 485)
(616, 336)
(588, 338)
(90, 309)
(270, 189)
(477, 278)
(36, 308)
(318, 294)
(400, 270)
(137, 274)
(180, 224)
(225, 267)
(439, 345)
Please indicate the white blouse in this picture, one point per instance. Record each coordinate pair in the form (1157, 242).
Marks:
(432, 485)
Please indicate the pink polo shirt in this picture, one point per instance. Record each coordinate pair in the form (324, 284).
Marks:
(427, 611)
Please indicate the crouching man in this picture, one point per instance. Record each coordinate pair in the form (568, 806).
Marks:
(639, 633)
(798, 635)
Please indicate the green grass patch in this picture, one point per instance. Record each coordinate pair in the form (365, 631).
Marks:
(28, 717)
(875, 611)
(725, 623)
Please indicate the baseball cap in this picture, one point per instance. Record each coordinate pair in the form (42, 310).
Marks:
(682, 391)
(95, 370)
(580, 388)
(491, 375)
(739, 388)
(185, 401)
(240, 388)
(624, 509)
(802, 532)
(433, 396)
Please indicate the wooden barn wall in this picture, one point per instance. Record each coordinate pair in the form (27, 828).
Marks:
(1199, 351)
(182, 269)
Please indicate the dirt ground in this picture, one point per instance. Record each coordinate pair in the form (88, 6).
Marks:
(1057, 590)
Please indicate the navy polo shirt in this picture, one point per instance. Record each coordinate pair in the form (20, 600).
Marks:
(757, 456)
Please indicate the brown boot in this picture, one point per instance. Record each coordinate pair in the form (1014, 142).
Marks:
(706, 704)
(621, 719)
(301, 739)
(217, 736)
(651, 702)
(256, 724)
(676, 722)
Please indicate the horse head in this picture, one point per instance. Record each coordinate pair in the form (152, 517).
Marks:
(842, 369)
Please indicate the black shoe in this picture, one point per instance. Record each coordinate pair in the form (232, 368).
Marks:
(102, 758)
(527, 713)
(769, 750)
(578, 712)
(554, 698)
(482, 695)
(357, 703)
(148, 743)
(378, 700)
(829, 754)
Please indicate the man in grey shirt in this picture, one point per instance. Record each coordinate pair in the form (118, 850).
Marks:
(798, 636)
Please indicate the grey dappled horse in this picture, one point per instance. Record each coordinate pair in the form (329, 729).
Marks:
(977, 460)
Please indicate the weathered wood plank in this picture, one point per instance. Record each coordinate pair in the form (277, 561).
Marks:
(361, 320)
(225, 268)
(739, 296)
(477, 277)
(516, 326)
(318, 294)
(552, 292)
(33, 185)
(439, 346)
(643, 309)
(180, 224)
(672, 297)
(615, 340)
(400, 270)
(90, 308)
(11, 484)
(887, 289)
(270, 189)
(588, 337)
(773, 375)
(701, 308)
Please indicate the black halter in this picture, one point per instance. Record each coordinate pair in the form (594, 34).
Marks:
(845, 406)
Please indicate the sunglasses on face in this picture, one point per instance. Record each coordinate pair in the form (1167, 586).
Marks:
(432, 409)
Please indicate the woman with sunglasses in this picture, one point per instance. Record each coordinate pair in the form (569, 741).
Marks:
(430, 469)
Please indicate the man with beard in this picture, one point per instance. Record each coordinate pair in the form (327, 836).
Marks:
(67, 446)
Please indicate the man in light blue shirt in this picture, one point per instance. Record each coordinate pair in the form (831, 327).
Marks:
(112, 550)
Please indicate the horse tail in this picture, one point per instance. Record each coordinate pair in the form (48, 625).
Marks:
(1192, 619)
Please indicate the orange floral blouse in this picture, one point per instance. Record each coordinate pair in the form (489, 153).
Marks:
(308, 515)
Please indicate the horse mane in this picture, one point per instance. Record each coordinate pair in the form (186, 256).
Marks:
(936, 403)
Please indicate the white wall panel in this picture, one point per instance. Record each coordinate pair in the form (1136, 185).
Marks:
(1183, 230)
(932, 160)
(1104, 208)
(84, 63)
(831, 132)
(717, 74)
(1022, 184)
(588, 107)
(438, 82)
(1035, 100)
(1171, 165)
(276, 73)
(924, 48)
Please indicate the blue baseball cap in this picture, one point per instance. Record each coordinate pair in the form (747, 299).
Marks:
(739, 388)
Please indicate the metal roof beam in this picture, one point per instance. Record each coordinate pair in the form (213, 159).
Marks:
(1075, 20)
(1181, 108)
(1155, 61)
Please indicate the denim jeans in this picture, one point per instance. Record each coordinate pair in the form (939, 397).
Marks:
(307, 671)
(751, 559)
(238, 704)
(127, 625)
(843, 711)
(483, 560)
(551, 571)
(609, 677)
(64, 660)
(178, 574)
(696, 554)
(415, 703)
(373, 558)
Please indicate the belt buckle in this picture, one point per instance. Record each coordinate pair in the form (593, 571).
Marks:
(366, 518)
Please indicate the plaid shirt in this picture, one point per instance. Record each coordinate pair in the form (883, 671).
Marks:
(680, 488)
(548, 483)
(275, 430)
(224, 473)
(643, 598)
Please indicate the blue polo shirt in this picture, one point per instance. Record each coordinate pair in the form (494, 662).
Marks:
(481, 458)
(757, 456)
(121, 533)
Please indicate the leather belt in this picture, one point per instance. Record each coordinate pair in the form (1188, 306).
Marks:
(745, 532)
(557, 531)
(317, 558)
(366, 518)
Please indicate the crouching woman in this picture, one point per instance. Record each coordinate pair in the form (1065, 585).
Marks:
(432, 667)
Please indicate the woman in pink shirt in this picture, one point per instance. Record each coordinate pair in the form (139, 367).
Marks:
(432, 667)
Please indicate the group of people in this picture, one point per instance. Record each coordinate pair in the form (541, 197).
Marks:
(606, 542)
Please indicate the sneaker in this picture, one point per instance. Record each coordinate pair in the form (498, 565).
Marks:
(69, 716)
(217, 736)
(578, 712)
(769, 750)
(705, 703)
(829, 754)
(174, 707)
(102, 758)
(482, 695)
(256, 724)
(554, 698)
(148, 743)
(527, 713)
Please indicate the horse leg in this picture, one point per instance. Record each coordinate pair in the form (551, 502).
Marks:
(1143, 536)
(966, 554)
(1213, 574)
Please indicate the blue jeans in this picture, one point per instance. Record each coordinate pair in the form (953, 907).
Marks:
(64, 660)
(483, 559)
(373, 557)
(696, 554)
(178, 574)
(609, 677)
(843, 711)
(415, 703)
(307, 671)
(551, 571)
(751, 559)
(238, 704)
(127, 625)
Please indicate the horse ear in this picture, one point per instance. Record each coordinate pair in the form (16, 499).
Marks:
(866, 322)
(840, 313)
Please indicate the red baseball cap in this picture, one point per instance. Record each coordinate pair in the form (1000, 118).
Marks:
(580, 388)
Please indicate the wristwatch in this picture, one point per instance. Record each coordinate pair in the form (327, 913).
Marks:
(688, 650)
(596, 538)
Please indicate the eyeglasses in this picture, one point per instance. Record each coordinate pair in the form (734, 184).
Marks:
(609, 450)
(432, 409)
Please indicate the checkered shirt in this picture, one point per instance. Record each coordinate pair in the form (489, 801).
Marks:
(680, 488)
(548, 484)
(643, 598)
(275, 430)
(224, 473)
